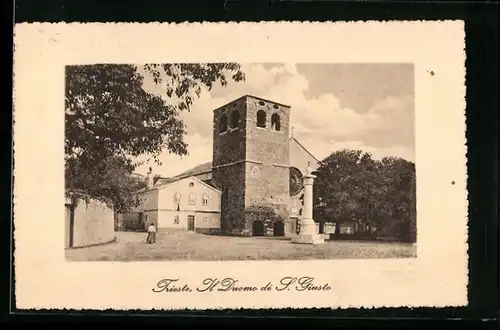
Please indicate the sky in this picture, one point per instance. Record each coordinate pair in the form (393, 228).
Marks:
(368, 107)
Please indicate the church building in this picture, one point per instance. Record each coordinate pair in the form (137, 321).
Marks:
(258, 167)
(256, 171)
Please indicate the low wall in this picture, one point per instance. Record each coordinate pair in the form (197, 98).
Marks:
(92, 224)
(208, 231)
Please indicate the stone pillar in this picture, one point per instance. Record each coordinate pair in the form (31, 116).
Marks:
(308, 233)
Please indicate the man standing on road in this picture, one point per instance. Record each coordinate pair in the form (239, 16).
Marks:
(151, 234)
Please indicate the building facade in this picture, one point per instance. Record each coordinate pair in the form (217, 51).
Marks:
(254, 180)
(186, 204)
(251, 164)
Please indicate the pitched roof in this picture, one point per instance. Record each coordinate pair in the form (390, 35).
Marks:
(163, 180)
(187, 177)
(300, 145)
(198, 169)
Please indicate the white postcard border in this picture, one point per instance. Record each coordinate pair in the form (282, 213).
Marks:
(45, 280)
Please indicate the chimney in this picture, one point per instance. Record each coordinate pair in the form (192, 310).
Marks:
(150, 178)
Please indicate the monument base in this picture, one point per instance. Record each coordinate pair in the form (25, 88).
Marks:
(308, 239)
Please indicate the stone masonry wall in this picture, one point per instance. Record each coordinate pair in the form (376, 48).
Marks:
(268, 215)
(269, 189)
(229, 146)
(228, 173)
(267, 182)
(231, 179)
(258, 173)
(265, 144)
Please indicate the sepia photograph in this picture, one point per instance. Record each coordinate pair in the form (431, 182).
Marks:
(253, 165)
(239, 161)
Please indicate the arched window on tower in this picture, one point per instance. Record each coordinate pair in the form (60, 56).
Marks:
(223, 124)
(261, 118)
(235, 119)
(275, 122)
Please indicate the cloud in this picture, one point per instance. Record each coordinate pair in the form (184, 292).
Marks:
(320, 123)
(389, 123)
(385, 130)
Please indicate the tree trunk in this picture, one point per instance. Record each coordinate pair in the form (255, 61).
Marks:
(337, 228)
(72, 225)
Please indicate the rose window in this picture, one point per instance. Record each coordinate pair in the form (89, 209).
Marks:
(296, 183)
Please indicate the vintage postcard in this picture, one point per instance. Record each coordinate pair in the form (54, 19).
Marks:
(240, 165)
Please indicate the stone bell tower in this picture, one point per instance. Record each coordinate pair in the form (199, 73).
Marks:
(251, 165)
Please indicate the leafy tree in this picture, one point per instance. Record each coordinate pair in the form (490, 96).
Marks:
(351, 185)
(105, 179)
(336, 187)
(401, 196)
(111, 119)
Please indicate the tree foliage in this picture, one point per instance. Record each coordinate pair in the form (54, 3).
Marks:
(264, 212)
(107, 180)
(351, 185)
(111, 119)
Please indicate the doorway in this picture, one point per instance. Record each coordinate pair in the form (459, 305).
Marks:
(257, 228)
(190, 222)
(279, 228)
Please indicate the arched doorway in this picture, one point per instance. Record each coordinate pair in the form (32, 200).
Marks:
(279, 228)
(257, 228)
